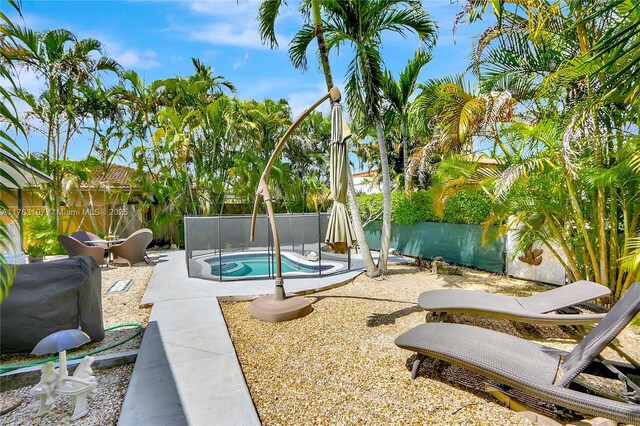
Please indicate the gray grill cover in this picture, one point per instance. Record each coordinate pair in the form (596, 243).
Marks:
(48, 297)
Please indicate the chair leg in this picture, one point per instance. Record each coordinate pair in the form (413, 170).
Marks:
(45, 405)
(82, 406)
(416, 365)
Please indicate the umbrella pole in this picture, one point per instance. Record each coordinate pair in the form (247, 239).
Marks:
(279, 307)
(279, 290)
(62, 360)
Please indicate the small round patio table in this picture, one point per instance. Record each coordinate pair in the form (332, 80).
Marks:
(109, 244)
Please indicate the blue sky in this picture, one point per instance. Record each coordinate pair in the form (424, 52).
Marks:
(158, 38)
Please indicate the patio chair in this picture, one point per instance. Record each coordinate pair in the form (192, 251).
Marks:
(545, 373)
(537, 309)
(85, 236)
(77, 248)
(133, 249)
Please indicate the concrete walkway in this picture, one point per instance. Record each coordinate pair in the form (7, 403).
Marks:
(206, 376)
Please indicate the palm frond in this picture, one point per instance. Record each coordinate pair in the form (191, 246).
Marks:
(299, 45)
(267, 16)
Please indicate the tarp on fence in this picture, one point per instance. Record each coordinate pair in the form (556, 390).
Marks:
(455, 243)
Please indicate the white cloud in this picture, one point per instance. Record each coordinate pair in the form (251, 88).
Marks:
(132, 58)
(226, 23)
(212, 54)
(266, 87)
(29, 81)
(229, 34)
(225, 7)
(125, 55)
(242, 62)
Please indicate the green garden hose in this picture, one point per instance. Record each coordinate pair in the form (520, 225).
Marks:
(7, 368)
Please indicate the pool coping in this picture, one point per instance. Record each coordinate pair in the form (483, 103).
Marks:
(200, 355)
(205, 267)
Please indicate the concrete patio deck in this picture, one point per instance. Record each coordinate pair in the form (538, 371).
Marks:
(209, 382)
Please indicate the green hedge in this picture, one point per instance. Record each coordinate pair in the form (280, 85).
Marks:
(463, 207)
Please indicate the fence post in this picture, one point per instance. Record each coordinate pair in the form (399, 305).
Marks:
(219, 252)
(293, 235)
(303, 226)
(319, 247)
(269, 250)
(187, 255)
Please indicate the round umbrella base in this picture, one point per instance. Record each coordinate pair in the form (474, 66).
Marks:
(266, 308)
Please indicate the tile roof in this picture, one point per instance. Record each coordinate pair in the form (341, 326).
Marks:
(370, 173)
(116, 176)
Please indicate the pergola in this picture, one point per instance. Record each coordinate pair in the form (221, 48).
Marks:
(18, 175)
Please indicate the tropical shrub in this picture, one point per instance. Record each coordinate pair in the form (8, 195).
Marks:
(568, 170)
(36, 250)
(41, 230)
(462, 207)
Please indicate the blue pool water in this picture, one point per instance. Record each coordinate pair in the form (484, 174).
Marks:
(257, 264)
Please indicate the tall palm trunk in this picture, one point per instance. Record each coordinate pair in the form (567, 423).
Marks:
(372, 270)
(386, 200)
(322, 47)
(353, 201)
(603, 266)
(405, 155)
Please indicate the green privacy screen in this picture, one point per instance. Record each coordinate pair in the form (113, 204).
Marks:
(455, 243)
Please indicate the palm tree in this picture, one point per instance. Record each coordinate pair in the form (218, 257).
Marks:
(9, 118)
(452, 112)
(359, 25)
(269, 10)
(397, 95)
(568, 175)
(65, 64)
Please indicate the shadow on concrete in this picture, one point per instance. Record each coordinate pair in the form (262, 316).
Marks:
(152, 397)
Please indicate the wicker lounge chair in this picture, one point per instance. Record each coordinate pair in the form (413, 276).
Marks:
(545, 373)
(538, 308)
(77, 248)
(132, 250)
(85, 237)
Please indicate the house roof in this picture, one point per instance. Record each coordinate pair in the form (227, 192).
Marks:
(370, 173)
(20, 173)
(483, 160)
(117, 176)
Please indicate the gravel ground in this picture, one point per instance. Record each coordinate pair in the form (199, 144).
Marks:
(118, 308)
(104, 404)
(339, 364)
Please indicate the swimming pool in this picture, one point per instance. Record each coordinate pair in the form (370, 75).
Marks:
(262, 265)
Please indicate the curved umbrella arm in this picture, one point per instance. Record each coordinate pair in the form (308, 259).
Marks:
(263, 186)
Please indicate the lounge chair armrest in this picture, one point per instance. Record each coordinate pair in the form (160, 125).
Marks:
(561, 319)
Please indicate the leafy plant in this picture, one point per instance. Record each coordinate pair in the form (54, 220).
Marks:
(41, 230)
(36, 250)
(462, 207)
(566, 170)
(10, 123)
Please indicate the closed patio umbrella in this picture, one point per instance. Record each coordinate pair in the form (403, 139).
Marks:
(340, 234)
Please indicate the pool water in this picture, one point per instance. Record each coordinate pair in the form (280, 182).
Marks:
(257, 264)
